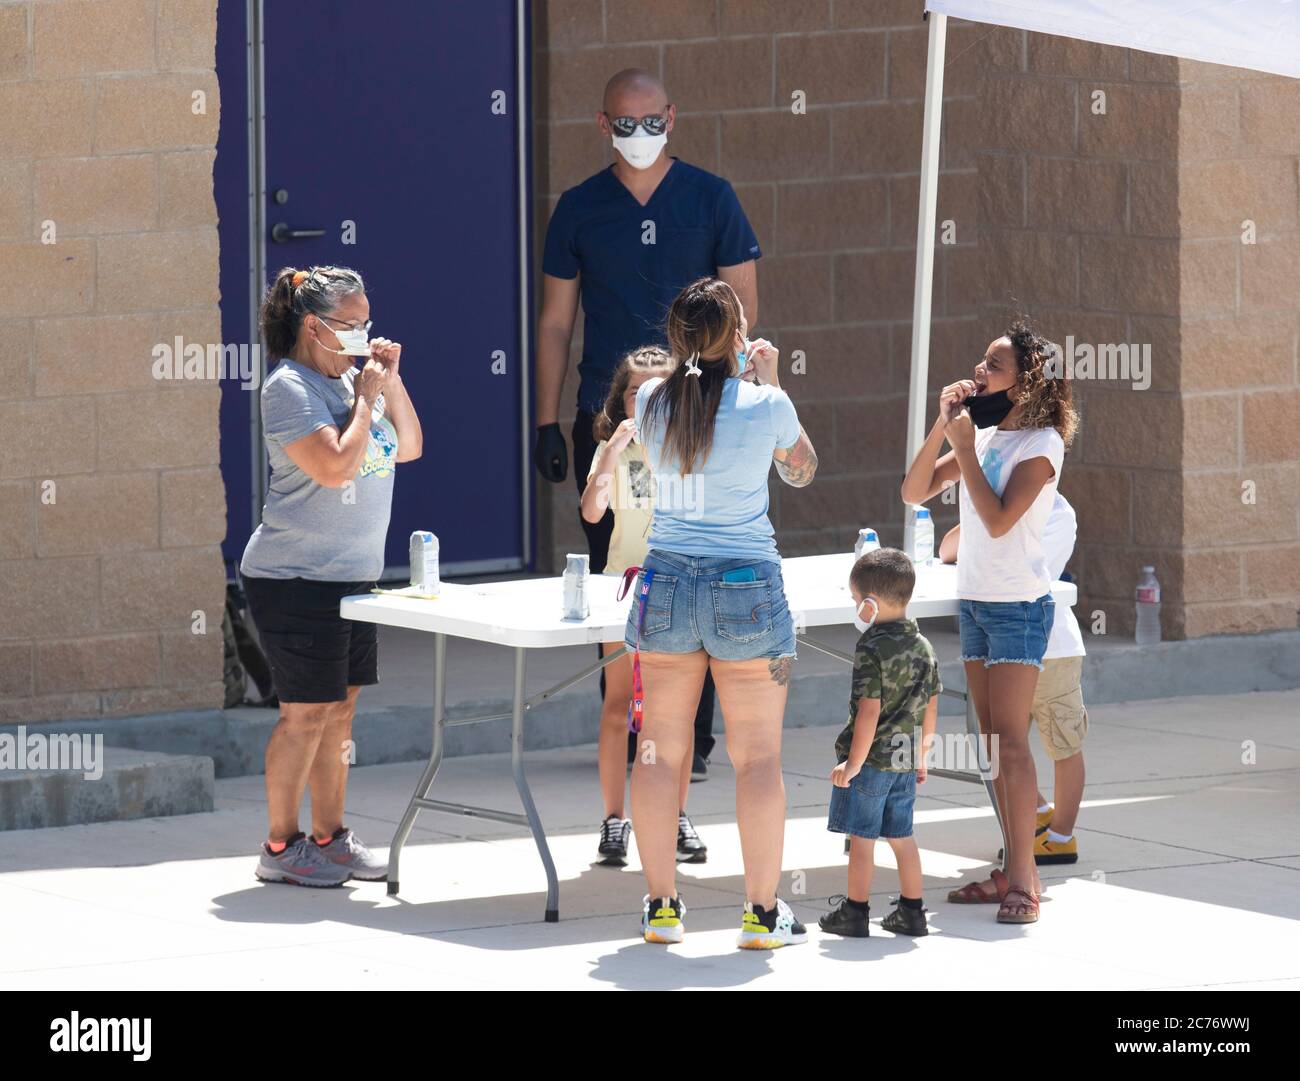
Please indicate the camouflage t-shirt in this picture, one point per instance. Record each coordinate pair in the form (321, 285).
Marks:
(895, 663)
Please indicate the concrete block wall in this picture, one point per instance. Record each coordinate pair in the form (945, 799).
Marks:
(111, 501)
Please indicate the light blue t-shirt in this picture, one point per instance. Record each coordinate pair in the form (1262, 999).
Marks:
(721, 509)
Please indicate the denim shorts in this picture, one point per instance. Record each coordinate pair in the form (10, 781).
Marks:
(691, 607)
(877, 803)
(1006, 632)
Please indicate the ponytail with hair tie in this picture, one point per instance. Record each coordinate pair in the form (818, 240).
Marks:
(295, 293)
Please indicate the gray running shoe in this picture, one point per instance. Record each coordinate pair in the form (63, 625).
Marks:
(346, 851)
(300, 863)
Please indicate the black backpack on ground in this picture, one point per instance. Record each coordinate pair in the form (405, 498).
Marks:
(243, 655)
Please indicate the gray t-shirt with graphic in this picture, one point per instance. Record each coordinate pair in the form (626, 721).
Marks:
(308, 530)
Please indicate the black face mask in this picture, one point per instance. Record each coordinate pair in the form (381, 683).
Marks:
(989, 410)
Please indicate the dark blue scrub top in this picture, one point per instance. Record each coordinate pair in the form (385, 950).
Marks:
(601, 232)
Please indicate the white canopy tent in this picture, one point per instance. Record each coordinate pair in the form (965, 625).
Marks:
(1263, 35)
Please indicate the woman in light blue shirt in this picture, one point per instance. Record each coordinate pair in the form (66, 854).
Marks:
(715, 600)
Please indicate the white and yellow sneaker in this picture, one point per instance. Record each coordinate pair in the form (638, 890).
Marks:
(662, 921)
(770, 928)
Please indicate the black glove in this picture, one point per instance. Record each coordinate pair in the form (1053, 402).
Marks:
(550, 454)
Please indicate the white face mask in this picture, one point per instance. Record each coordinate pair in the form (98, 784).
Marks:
(355, 342)
(875, 611)
(640, 151)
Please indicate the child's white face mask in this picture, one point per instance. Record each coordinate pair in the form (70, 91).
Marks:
(863, 627)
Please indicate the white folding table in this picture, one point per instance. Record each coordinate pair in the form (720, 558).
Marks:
(525, 614)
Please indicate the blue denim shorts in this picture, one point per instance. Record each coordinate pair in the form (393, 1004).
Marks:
(877, 803)
(1006, 632)
(691, 607)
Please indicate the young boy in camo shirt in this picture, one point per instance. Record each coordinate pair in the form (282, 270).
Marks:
(893, 706)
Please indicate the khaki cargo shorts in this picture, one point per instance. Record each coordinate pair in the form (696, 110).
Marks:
(1058, 707)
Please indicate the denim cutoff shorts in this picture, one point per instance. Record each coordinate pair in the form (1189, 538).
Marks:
(691, 605)
(1006, 632)
(877, 803)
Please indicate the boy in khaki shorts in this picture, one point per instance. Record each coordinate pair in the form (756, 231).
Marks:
(1058, 707)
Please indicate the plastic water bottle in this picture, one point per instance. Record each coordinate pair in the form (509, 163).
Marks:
(867, 542)
(576, 571)
(1147, 596)
(922, 552)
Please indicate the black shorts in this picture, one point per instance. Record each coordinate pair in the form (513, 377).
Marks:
(314, 654)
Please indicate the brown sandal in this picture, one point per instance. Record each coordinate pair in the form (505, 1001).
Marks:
(1011, 901)
(973, 893)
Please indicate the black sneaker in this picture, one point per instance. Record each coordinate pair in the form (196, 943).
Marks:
(690, 849)
(699, 768)
(846, 920)
(614, 832)
(906, 921)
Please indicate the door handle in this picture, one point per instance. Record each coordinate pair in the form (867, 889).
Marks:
(282, 234)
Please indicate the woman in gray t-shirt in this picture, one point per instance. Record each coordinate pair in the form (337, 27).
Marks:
(334, 435)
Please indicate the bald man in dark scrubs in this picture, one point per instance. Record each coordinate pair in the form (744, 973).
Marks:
(626, 241)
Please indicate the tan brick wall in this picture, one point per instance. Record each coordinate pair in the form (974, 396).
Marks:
(1112, 227)
(1239, 136)
(112, 508)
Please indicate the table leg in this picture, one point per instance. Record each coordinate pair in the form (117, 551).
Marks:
(973, 728)
(525, 796)
(430, 770)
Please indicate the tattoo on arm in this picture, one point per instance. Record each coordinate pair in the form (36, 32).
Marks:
(779, 669)
(800, 464)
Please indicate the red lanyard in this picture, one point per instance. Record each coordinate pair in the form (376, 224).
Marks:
(636, 707)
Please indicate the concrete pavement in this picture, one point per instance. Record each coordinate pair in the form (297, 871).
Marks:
(1189, 877)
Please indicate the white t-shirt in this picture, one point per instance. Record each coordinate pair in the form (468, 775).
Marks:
(1066, 640)
(1012, 567)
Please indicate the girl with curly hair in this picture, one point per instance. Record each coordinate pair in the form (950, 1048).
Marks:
(1007, 427)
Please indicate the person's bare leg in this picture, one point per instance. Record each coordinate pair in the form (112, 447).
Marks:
(684, 780)
(1068, 794)
(672, 690)
(908, 858)
(329, 770)
(752, 695)
(289, 755)
(611, 748)
(977, 686)
(862, 864)
(1010, 696)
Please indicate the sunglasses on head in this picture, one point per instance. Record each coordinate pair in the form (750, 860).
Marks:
(656, 124)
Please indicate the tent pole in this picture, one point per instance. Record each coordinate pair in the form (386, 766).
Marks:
(925, 223)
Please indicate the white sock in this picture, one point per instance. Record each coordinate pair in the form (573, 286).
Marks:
(1044, 807)
(1055, 837)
